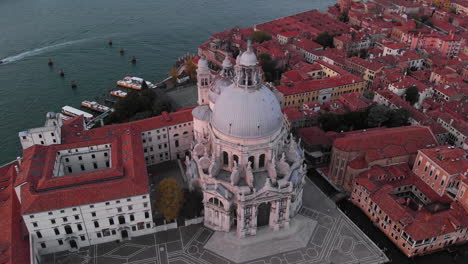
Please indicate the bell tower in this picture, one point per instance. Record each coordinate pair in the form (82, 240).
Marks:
(204, 79)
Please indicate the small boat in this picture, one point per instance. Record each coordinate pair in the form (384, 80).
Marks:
(119, 93)
(61, 73)
(1, 61)
(73, 84)
(109, 42)
(50, 63)
(133, 60)
(72, 112)
(96, 107)
(134, 83)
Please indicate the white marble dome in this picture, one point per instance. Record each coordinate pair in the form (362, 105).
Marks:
(247, 113)
(248, 58)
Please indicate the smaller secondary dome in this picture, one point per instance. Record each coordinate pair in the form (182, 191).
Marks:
(227, 62)
(248, 58)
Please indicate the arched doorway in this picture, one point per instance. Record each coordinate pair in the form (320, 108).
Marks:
(263, 214)
(73, 244)
(233, 216)
(124, 234)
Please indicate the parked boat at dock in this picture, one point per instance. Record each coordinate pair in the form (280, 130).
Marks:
(96, 107)
(72, 112)
(134, 83)
(119, 93)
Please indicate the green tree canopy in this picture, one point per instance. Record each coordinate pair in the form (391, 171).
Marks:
(260, 36)
(169, 198)
(412, 95)
(378, 114)
(325, 39)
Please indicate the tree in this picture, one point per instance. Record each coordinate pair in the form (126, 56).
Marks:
(191, 68)
(378, 114)
(325, 39)
(398, 117)
(268, 66)
(174, 74)
(260, 36)
(343, 17)
(412, 95)
(169, 198)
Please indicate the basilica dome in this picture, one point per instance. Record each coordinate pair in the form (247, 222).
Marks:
(247, 113)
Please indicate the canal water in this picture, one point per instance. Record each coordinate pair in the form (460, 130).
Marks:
(74, 34)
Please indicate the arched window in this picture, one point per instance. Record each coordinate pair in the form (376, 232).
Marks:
(176, 135)
(236, 159)
(57, 232)
(215, 201)
(121, 219)
(225, 158)
(261, 161)
(68, 229)
(252, 161)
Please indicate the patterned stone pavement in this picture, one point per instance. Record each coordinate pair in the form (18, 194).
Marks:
(335, 240)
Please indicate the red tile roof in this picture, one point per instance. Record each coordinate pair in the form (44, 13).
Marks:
(314, 136)
(126, 177)
(453, 161)
(438, 216)
(314, 85)
(14, 249)
(380, 143)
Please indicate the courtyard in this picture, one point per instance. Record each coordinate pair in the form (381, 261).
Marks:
(335, 239)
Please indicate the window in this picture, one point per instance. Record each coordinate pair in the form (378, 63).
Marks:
(82, 238)
(67, 160)
(31, 216)
(69, 170)
(130, 207)
(50, 213)
(121, 219)
(225, 158)
(145, 205)
(261, 161)
(106, 232)
(119, 209)
(99, 234)
(77, 217)
(111, 221)
(107, 164)
(65, 219)
(38, 234)
(80, 158)
(132, 218)
(95, 165)
(43, 245)
(82, 167)
(96, 224)
(57, 232)
(79, 227)
(177, 143)
(34, 224)
(105, 154)
(236, 158)
(93, 214)
(146, 214)
(60, 242)
(68, 229)
(252, 161)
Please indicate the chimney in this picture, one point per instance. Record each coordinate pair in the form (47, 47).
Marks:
(420, 207)
(19, 160)
(17, 169)
(451, 121)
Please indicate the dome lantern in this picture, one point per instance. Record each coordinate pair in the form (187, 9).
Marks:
(247, 72)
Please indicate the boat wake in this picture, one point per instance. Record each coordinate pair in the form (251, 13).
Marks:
(38, 51)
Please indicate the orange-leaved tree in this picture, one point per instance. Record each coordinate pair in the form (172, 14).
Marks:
(169, 198)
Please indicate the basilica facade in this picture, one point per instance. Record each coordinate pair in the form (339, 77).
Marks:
(250, 169)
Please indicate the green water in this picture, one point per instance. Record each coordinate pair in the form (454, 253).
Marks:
(75, 34)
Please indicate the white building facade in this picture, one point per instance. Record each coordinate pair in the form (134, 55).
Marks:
(243, 158)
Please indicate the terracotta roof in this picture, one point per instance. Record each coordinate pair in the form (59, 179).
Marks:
(379, 143)
(314, 85)
(438, 216)
(14, 249)
(452, 160)
(126, 177)
(314, 136)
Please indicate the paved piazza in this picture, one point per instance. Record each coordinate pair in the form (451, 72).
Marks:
(335, 239)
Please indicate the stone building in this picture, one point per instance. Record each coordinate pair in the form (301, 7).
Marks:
(243, 158)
